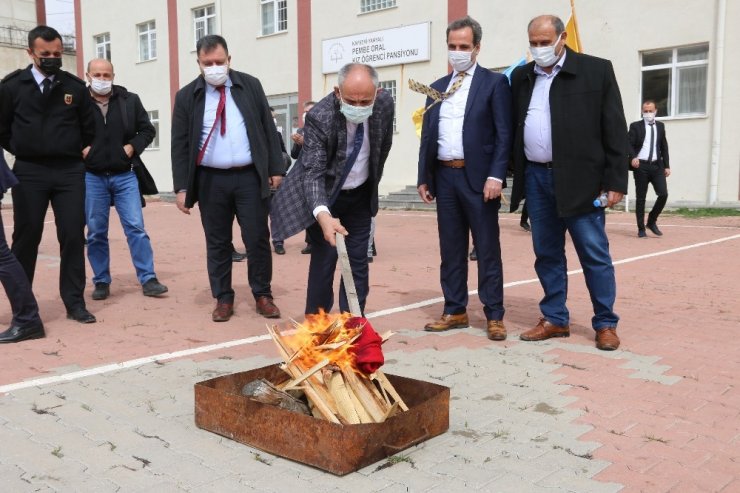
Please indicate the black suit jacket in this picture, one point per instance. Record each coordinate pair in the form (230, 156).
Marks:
(315, 176)
(187, 123)
(589, 142)
(637, 135)
(487, 131)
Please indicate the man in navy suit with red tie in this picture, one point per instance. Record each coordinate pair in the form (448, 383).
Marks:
(466, 141)
(649, 161)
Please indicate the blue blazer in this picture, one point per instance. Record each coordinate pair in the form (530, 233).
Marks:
(487, 131)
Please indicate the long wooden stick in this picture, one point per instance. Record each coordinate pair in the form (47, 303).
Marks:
(349, 281)
(386, 384)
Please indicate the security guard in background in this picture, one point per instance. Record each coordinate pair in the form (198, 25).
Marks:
(46, 119)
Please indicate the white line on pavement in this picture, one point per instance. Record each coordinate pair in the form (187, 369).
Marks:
(99, 370)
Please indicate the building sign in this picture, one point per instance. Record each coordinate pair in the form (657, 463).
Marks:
(406, 44)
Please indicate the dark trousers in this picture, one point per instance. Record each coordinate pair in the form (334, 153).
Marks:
(62, 185)
(459, 209)
(644, 175)
(352, 208)
(223, 195)
(17, 288)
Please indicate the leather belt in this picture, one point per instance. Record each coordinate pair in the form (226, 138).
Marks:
(547, 165)
(645, 161)
(454, 163)
(223, 170)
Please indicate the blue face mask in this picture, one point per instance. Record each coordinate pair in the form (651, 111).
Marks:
(356, 114)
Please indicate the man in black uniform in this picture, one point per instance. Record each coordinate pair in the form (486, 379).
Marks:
(46, 119)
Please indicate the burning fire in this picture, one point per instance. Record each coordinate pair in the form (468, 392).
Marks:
(341, 341)
(335, 360)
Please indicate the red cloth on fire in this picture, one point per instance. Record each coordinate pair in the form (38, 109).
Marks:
(367, 350)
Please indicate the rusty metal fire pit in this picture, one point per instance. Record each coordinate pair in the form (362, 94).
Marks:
(220, 408)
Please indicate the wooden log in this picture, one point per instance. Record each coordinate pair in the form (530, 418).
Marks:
(386, 384)
(363, 394)
(322, 400)
(361, 412)
(393, 410)
(296, 382)
(338, 389)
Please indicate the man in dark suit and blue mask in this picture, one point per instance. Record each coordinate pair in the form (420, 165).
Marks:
(464, 154)
(333, 187)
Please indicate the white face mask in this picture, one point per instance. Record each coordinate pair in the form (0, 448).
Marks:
(648, 116)
(216, 75)
(460, 60)
(100, 86)
(545, 56)
(355, 114)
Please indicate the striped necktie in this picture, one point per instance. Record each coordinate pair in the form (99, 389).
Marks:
(434, 94)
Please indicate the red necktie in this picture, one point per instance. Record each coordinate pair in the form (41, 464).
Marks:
(220, 113)
(220, 116)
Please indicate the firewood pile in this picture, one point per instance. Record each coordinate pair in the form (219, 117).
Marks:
(332, 362)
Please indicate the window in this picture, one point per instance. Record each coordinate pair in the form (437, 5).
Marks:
(274, 16)
(102, 46)
(154, 118)
(676, 79)
(390, 86)
(204, 21)
(372, 5)
(147, 41)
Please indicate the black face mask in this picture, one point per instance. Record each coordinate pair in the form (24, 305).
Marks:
(50, 66)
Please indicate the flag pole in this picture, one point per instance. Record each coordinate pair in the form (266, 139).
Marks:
(575, 19)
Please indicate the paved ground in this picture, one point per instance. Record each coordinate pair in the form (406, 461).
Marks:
(109, 406)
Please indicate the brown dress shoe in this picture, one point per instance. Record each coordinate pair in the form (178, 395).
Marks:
(544, 330)
(607, 339)
(448, 322)
(222, 312)
(496, 330)
(267, 308)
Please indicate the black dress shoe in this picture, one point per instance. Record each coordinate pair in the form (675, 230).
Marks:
(17, 334)
(153, 287)
(81, 315)
(473, 255)
(306, 249)
(641, 233)
(280, 249)
(101, 291)
(654, 228)
(525, 226)
(238, 257)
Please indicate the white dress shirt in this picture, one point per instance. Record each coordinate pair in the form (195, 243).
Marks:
(361, 168)
(231, 149)
(537, 125)
(644, 153)
(452, 117)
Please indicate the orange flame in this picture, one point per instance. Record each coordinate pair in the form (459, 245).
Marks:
(324, 336)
